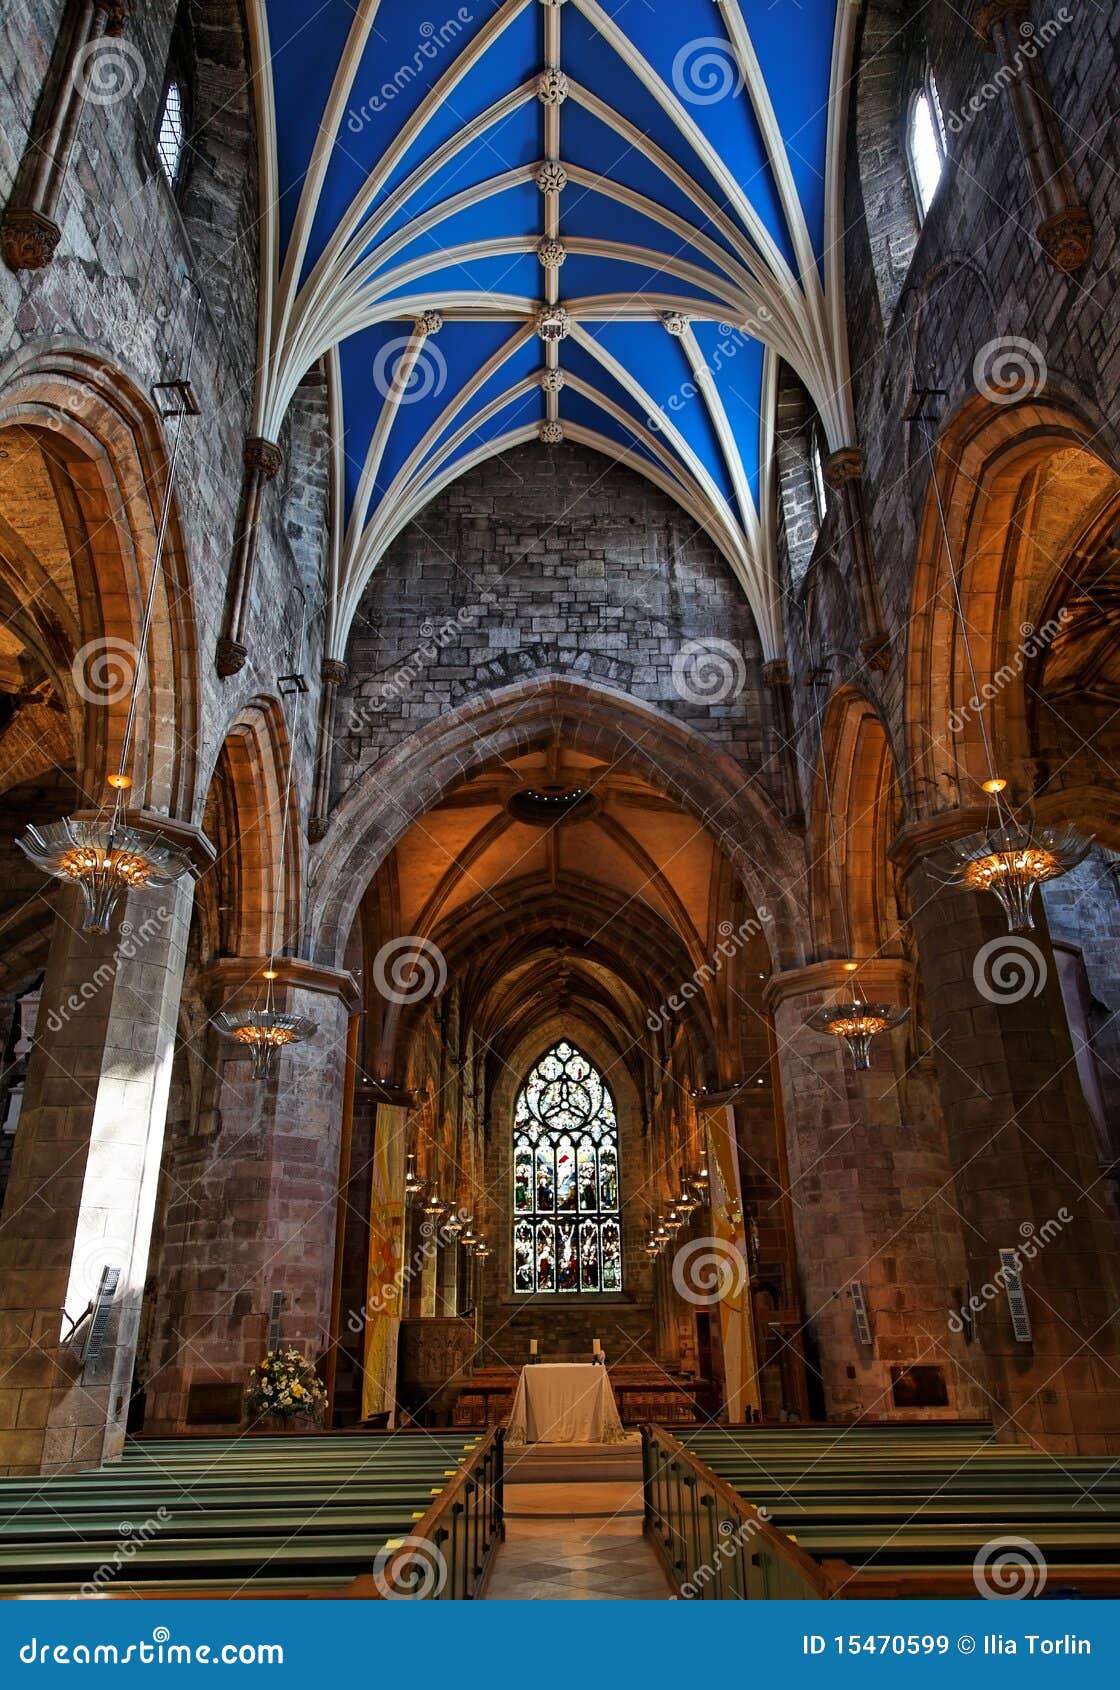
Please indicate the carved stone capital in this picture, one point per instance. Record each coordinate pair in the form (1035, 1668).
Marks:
(264, 456)
(775, 674)
(231, 657)
(992, 12)
(28, 239)
(334, 673)
(876, 651)
(843, 466)
(1067, 238)
(115, 13)
(317, 828)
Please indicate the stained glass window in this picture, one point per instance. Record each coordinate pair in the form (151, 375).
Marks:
(567, 1232)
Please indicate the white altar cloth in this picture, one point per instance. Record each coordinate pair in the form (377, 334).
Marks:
(564, 1403)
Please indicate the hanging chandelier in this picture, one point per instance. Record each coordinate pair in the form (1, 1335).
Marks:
(453, 1227)
(105, 859)
(106, 855)
(265, 1031)
(687, 1202)
(850, 1018)
(1013, 857)
(413, 1184)
(435, 1208)
(1015, 854)
(857, 1023)
(264, 1028)
(700, 1180)
(481, 1250)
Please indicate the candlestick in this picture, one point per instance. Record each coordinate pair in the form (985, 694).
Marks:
(532, 1346)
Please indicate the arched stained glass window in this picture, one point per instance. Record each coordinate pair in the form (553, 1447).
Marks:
(567, 1231)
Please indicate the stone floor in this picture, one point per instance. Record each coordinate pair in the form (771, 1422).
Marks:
(576, 1557)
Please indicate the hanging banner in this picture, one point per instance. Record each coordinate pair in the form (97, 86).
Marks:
(732, 1279)
(385, 1283)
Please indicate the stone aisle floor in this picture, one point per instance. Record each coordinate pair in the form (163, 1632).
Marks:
(582, 1558)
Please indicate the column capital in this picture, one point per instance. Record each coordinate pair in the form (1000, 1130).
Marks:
(992, 12)
(884, 978)
(921, 839)
(843, 466)
(1067, 238)
(230, 658)
(334, 673)
(232, 977)
(115, 13)
(262, 455)
(775, 674)
(28, 238)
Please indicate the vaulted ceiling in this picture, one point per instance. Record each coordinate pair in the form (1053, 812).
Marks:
(667, 174)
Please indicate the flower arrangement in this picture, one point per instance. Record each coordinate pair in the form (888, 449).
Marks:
(285, 1385)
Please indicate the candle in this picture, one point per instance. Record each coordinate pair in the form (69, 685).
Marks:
(532, 1346)
(596, 1347)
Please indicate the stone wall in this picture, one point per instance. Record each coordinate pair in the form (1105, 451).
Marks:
(549, 562)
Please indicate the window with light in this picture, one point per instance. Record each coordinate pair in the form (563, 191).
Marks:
(567, 1231)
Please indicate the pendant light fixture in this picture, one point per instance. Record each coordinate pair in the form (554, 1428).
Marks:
(413, 1184)
(1013, 853)
(849, 1017)
(264, 1028)
(107, 856)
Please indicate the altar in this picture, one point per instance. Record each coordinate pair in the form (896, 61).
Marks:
(564, 1403)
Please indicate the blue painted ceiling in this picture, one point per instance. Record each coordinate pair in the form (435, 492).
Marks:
(694, 139)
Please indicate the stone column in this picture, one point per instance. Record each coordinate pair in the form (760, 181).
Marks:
(262, 461)
(85, 1169)
(334, 675)
(775, 678)
(29, 232)
(727, 1248)
(1066, 231)
(253, 1208)
(843, 471)
(873, 1204)
(1027, 1174)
